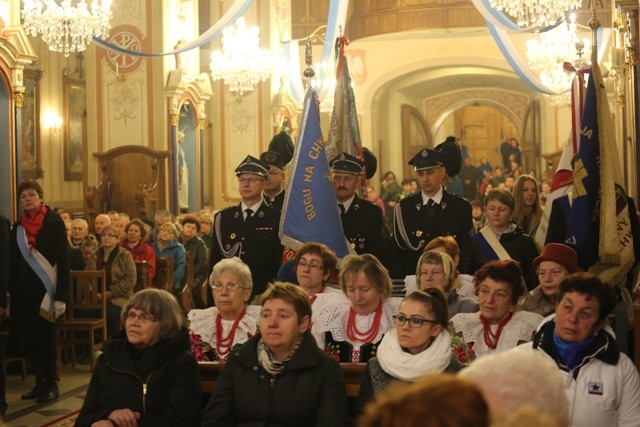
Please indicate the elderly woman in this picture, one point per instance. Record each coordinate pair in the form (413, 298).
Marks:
(121, 275)
(206, 229)
(499, 325)
(556, 262)
(146, 375)
(350, 329)
(528, 210)
(419, 345)
(501, 239)
(314, 264)
(463, 283)
(38, 284)
(437, 270)
(279, 377)
(135, 232)
(167, 245)
(216, 330)
(195, 246)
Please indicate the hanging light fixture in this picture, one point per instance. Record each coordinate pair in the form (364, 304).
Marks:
(548, 55)
(535, 12)
(242, 64)
(64, 27)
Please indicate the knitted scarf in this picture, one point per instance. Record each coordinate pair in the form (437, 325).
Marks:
(32, 224)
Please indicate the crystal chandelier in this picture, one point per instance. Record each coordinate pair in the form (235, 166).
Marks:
(66, 28)
(535, 12)
(548, 55)
(241, 64)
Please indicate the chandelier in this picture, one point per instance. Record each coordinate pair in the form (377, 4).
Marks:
(535, 12)
(66, 28)
(548, 55)
(241, 64)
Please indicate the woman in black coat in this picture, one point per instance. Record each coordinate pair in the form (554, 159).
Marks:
(146, 375)
(507, 237)
(38, 285)
(279, 377)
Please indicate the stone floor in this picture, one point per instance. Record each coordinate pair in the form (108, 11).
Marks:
(28, 413)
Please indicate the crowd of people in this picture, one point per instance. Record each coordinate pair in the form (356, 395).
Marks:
(428, 304)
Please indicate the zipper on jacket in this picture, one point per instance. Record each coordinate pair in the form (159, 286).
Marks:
(144, 385)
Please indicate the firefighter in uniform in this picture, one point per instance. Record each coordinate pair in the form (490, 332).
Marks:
(250, 229)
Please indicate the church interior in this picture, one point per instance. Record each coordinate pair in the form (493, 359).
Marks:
(100, 128)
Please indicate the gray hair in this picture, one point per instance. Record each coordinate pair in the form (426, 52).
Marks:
(161, 305)
(235, 266)
(501, 377)
(80, 221)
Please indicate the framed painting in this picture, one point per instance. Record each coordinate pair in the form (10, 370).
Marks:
(75, 128)
(30, 129)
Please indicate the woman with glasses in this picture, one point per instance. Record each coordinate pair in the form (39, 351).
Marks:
(216, 330)
(314, 264)
(146, 375)
(419, 345)
(168, 246)
(556, 262)
(350, 329)
(437, 270)
(120, 270)
(499, 325)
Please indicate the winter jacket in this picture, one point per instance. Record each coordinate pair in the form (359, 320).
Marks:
(176, 251)
(142, 252)
(310, 391)
(604, 388)
(123, 274)
(161, 382)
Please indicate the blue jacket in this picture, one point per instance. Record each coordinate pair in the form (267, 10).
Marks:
(176, 251)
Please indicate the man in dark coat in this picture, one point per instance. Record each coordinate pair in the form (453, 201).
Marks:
(279, 155)
(431, 213)
(362, 221)
(250, 229)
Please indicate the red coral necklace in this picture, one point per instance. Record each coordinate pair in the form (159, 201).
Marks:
(366, 336)
(223, 344)
(491, 339)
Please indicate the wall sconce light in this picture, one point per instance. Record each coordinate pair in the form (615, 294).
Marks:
(52, 122)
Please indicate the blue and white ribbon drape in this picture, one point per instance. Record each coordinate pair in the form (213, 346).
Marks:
(235, 11)
(500, 26)
(336, 19)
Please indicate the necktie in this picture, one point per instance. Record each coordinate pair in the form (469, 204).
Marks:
(249, 213)
(343, 212)
(431, 208)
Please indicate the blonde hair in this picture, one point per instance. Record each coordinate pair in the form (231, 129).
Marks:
(532, 221)
(371, 267)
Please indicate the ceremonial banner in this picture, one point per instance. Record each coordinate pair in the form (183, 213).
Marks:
(599, 224)
(310, 212)
(344, 132)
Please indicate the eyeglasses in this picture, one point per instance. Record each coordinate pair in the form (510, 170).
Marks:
(109, 235)
(414, 322)
(302, 263)
(249, 180)
(231, 287)
(144, 318)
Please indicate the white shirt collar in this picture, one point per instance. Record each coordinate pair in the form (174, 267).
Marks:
(347, 203)
(437, 198)
(254, 208)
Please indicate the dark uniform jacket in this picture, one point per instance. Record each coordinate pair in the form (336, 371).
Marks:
(161, 382)
(309, 392)
(256, 242)
(277, 201)
(518, 245)
(414, 228)
(365, 229)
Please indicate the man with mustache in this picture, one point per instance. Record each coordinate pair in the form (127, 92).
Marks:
(362, 221)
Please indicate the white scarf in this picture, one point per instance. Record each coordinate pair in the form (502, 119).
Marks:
(409, 367)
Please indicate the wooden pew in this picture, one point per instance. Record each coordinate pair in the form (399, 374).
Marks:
(164, 274)
(352, 376)
(143, 276)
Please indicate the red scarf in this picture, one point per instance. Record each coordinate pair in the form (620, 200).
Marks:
(33, 224)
